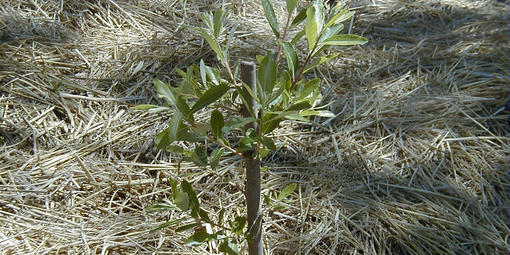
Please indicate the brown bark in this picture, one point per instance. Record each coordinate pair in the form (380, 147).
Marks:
(252, 188)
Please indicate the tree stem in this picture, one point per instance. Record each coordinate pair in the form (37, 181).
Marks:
(252, 164)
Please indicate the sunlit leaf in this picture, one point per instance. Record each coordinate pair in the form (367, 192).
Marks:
(143, 107)
(291, 5)
(292, 58)
(164, 91)
(219, 18)
(271, 17)
(182, 201)
(210, 96)
(286, 191)
(345, 40)
(341, 16)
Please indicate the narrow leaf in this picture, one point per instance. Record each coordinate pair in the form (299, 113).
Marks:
(143, 107)
(219, 17)
(212, 43)
(166, 224)
(199, 156)
(203, 215)
(286, 191)
(217, 123)
(182, 201)
(210, 96)
(341, 16)
(164, 91)
(345, 40)
(183, 107)
(186, 227)
(291, 5)
(193, 199)
(229, 246)
(271, 17)
(319, 61)
(238, 224)
(268, 142)
(158, 207)
(267, 73)
(292, 58)
(311, 28)
(215, 157)
(198, 238)
(300, 17)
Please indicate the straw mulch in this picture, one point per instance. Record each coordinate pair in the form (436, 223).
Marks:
(416, 161)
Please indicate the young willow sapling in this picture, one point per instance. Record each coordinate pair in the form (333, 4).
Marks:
(251, 106)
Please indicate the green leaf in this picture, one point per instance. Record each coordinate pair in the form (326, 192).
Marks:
(298, 37)
(210, 96)
(237, 225)
(268, 142)
(246, 144)
(158, 207)
(299, 106)
(292, 58)
(182, 200)
(341, 16)
(314, 23)
(270, 124)
(203, 215)
(212, 43)
(245, 98)
(219, 18)
(311, 28)
(309, 87)
(291, 5)
(267, 73)
(271, 17)
(175, 190)
(143, 107)
(345, 40)
(166, 224)
(183, 107)
(189, 136)
(215, 157)
(229, 246)
(322, 113)
(199, 156)
(300, 17)
(173, 126)
(164, 91)
(198, 238)
(217, 123)
(286, 191)
(319, 61)
(186, 227)
(193, 199)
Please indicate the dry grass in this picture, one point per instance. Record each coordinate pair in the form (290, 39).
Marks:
(416, 161)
